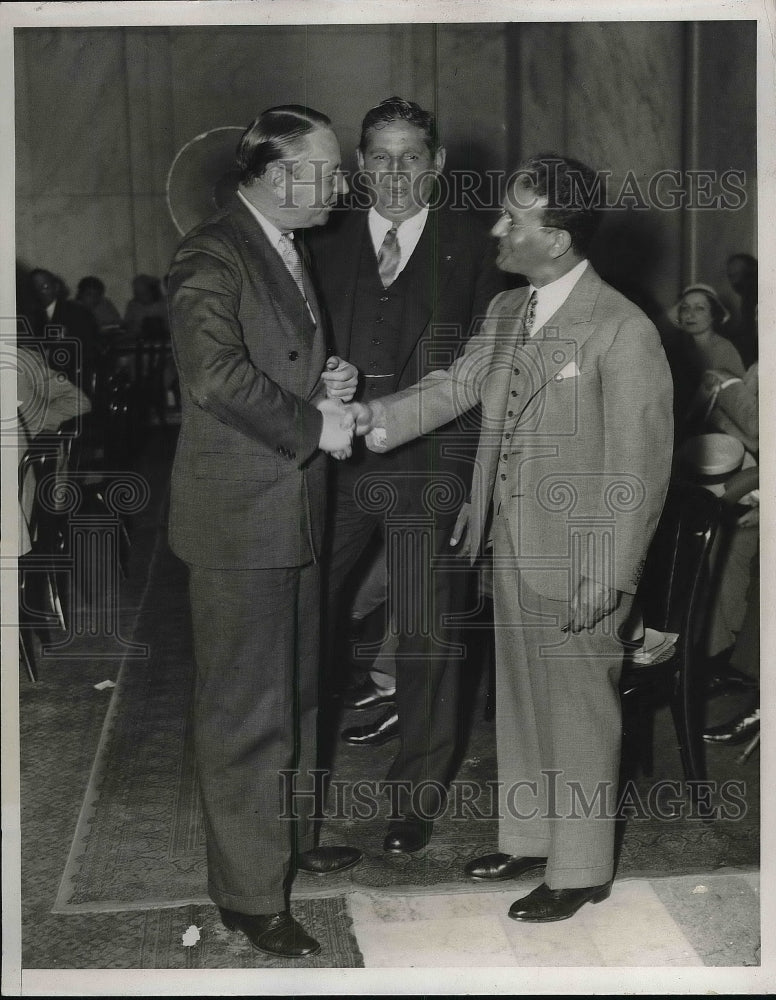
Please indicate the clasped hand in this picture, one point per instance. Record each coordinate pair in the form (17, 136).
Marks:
(340, 423)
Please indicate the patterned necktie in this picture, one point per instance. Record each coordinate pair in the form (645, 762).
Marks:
(530, 315)
(292, 260)
(388, 257)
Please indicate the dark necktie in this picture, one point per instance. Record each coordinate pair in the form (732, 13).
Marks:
(388, 257)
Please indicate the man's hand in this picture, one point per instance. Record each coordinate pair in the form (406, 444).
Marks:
(460, 530)
(592, 602)
(337, 431)
(340, 378)
(363, 414)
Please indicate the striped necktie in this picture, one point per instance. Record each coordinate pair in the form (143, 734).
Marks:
(388, 257)
(292, 260)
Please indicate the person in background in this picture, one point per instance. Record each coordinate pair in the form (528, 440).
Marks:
(733, 636)
(146, 312)
(699, 315)
(247, 511)
(75, 322)
(91, 295)
(401, 280)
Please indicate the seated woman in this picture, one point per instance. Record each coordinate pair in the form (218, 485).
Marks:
(699, 314)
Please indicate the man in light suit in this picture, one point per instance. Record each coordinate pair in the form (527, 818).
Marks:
(403, 281)
(247, 513)
(570, 478)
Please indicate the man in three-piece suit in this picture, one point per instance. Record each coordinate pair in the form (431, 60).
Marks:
(570, 478)
(403, 281)
(247, 513)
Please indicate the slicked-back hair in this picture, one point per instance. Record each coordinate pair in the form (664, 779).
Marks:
(396, 109)
(276, 134)
(575, 195)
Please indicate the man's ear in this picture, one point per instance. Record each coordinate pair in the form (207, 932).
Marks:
(439, 158)
(275, 175)
(360, 159)
(561, 243)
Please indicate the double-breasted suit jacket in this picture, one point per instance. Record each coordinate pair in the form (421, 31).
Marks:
(247, 515)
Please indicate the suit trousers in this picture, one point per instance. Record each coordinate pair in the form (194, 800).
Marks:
(428, 653)
(558, 727)
(256, 646)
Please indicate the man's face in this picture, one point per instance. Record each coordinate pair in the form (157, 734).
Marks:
(400, 169)
(313, 186)
(46, 287)
(523, 238)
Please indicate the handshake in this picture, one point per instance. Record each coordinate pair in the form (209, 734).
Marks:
(342, 419)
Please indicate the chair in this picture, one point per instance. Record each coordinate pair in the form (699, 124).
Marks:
(670, 596)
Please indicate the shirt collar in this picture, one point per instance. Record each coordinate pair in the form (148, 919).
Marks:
(378, 226)
(272, 232)
(549, 298)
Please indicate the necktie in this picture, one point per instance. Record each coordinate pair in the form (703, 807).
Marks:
(388, 257)
(292, 260)
(530, 315)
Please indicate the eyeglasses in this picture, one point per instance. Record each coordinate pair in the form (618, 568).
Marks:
(512, 225)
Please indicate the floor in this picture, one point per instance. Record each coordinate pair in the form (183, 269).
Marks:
(665, 935)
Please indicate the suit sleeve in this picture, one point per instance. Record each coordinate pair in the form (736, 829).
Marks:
(441, 396)
(638, 427)
(215, 367)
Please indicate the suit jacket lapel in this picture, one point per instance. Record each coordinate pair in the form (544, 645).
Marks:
(430, 269)
(265, 262)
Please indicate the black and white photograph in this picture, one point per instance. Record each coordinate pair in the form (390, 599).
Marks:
(381, 536)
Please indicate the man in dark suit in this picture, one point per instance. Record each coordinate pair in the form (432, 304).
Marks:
(570, 478)
(55, 309)
(403, 283)
(247, 513)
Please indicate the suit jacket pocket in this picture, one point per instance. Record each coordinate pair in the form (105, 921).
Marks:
(236, 467)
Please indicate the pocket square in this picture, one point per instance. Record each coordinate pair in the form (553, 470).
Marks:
(569, 371)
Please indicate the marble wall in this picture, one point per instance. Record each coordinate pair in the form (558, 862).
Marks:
(101, 113)
(638, 100)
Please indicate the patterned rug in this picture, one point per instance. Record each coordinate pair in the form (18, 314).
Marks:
(139, 842)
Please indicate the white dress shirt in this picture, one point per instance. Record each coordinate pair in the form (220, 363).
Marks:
(407, 233)
(549, 298)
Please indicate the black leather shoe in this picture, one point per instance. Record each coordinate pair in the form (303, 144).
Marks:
(729, 679)
(738, 730)
(367, 695)
(374, 734)
(327, 860)
(500, 867)
(276, 934)
(544, 904)
(407, 836)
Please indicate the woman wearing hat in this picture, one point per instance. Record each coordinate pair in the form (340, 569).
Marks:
(698, 314)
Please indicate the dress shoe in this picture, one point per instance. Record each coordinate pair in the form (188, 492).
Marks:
(500, 867)
(407, 836)
(729, 679)
(276, 934)
(367, 695)
(374, 734)
(544, 904)
(739, 729)
(327, 860)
